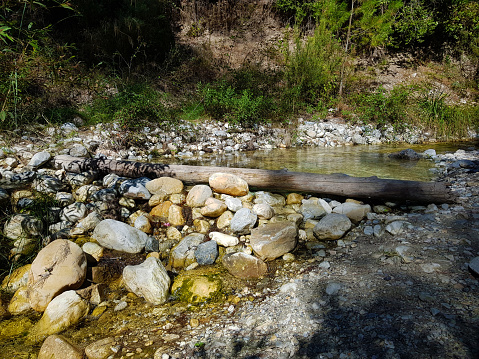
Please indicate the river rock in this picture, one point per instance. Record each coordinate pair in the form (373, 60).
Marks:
(62, 312)
(312, 209)
(408, 154)
(223, 239)
(273, 199)
(58, 267)
(224, 220)
(175, 215)
(161, 210)
(155, 199)
(234, 204)
(430, 153)
(93, 249)
(58, 347)
(23, 226)
(20, 303)
(395, 227)
(148, 280)
(474, 266)
(112, 180)
(173, 233)
(294, 198)
(80, 179)
(272, 240)
(201, 225)
(143, 224)
(206, 253)
(84, 193)
(39, 159)
(18, 278)
(356, 212)
(64, 198)
(135, 188)
(243, 221)
(263, 211)
(332, 226)
(68, 128)
(106, 195)
(183, 254)
(228, 183)
(100, 349)
(56, 227)
(198, 195)
(244, 266)
(74, 212)
(196, 287)
(78, 150)
(164, 185)
(213, 208)
(119, 236)
(48, 185)
(86, 224)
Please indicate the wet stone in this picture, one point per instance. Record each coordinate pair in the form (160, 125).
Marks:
(206, 253)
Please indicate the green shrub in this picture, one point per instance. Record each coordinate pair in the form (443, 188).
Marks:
(221, 101)
(382, 107)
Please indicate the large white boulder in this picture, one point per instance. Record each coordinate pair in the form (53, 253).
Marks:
(148, 280)
(58, 267)
(119, 236)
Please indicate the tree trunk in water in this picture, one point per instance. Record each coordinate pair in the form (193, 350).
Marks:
(335, 185)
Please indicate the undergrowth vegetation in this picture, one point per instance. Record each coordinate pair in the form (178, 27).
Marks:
(110, 61)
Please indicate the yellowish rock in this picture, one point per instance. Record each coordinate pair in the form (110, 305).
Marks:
(173, 233)
(62, 312)
(19, 303)
(100, 349)
(213, 208)
(157, 199)
(201, 225)
(228, 183)
(294, 198)
(196, 287)
(224, 220)
(161, 210)
(59, 347)
(166, 185)
(175, 215)
(18, 278)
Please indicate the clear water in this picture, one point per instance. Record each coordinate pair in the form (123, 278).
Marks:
(358, 161)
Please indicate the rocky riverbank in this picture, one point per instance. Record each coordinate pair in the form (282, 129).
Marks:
(154, 269)
(188, 140)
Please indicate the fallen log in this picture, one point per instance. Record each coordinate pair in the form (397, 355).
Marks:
(332, 185)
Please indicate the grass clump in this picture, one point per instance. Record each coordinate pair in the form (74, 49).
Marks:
(132, 106)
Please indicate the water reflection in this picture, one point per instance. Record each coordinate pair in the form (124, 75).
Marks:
(359, 161)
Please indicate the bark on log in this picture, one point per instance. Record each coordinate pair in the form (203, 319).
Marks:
(335, 185)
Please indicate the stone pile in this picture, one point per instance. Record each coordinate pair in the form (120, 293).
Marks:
(171, 227)
(187, 140)
(178, 227)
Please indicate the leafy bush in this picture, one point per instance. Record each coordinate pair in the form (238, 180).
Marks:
(221, 101)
